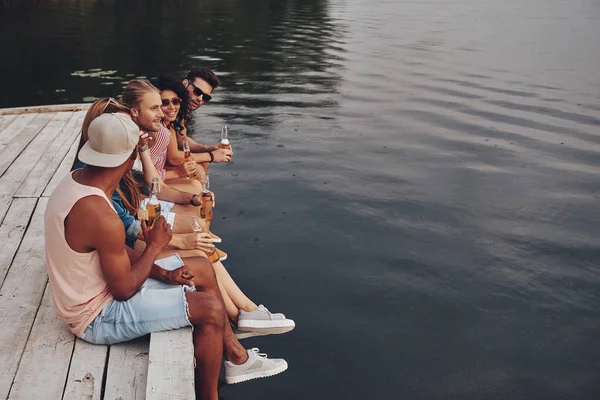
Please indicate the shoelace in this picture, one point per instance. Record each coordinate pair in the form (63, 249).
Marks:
(278, 316)
(256, 350)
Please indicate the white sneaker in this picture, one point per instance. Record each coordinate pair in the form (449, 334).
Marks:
(244, 335)
(263, 321)
(257, 366)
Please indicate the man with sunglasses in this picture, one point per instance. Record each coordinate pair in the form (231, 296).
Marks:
(200, 83)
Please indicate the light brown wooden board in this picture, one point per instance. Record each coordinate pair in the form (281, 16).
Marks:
(12, 230)
(44, 168)
(171, 366)
(19, 143)
(86, 371)
(127, 370)
(22, 166)
(20, 297)
(43, 368)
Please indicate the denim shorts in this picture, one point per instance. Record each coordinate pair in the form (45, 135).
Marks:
(155, 307)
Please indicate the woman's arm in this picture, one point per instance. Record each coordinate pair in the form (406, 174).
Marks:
(175, 157)
(166, 193)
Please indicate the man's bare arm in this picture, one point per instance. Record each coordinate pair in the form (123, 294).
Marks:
(107, 236)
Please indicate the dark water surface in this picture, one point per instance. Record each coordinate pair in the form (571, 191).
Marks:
(416, 183)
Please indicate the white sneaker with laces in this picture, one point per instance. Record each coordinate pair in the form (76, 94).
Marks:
(244, 335)
(263, 321)
(257, 366)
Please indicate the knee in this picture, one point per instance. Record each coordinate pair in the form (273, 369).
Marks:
(204, 273)
(211, 312)
(196, 185)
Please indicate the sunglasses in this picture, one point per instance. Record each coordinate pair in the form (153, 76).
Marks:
(176, 101)
(198, 92)
(110, 100)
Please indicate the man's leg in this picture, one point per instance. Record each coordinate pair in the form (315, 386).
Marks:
(206, 281)
(206, 313)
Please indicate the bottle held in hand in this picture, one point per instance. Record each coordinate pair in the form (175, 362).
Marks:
(197, 228)
(224, 144)
(187, 154)
(153, 206)
(206, 206)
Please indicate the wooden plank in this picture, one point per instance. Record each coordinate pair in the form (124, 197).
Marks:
(11, 131)
(16, 146)
(86, 371)
(63, 169)
(5, 120)
(45, 363)
(171, 366)
(18, 171)
(44, 109)
(20, 297)
(42, 172)
(127, 370)
(12, 230)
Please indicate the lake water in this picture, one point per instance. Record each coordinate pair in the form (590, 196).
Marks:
(416, 183)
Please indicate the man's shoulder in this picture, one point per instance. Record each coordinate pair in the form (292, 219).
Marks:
(94, 210)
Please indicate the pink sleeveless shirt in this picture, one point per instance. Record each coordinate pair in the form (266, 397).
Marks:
(78, 287)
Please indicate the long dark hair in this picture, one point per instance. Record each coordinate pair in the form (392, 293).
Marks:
(167, 83)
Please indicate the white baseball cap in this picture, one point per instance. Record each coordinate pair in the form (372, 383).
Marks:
(111, 140)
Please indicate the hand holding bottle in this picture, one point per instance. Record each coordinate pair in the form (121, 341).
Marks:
(160, 235)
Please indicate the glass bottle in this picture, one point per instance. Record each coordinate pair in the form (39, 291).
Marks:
(197, 228)
(206, 206)
(153, 206)
(187, 154)
(224, 144)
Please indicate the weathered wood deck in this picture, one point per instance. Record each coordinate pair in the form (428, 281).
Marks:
(39, 357)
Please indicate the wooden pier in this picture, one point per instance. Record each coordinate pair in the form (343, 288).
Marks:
(39, 357)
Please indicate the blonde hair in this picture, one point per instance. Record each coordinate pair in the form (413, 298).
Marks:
(131, 192)
(135, 90)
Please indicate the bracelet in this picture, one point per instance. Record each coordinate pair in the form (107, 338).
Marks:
(143, 149)
(192, 200)
(212, 157)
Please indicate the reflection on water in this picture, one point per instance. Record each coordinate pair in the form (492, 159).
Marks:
(415, 183)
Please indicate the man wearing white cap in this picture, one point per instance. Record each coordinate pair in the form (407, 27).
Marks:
(107, 298)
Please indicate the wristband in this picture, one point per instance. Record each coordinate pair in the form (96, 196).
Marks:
(143, 149)
(212, 157)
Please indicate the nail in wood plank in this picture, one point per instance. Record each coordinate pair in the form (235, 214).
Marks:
(86, 371)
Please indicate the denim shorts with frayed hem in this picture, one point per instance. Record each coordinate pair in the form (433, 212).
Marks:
(155, 307)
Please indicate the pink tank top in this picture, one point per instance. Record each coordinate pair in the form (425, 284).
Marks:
(158, 152)
(78, 286)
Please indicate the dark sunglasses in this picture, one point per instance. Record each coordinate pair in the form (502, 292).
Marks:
(198, 92)
(175, 100)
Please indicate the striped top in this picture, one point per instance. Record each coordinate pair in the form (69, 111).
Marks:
(158, 152)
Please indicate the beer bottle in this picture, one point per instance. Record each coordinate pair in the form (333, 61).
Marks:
(187, 154)
(153, 206)
(206, 201)
(224, 139)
